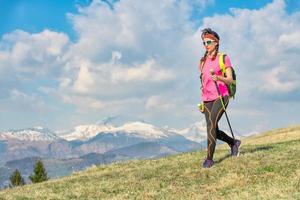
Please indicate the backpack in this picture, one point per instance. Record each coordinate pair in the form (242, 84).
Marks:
(232, 86)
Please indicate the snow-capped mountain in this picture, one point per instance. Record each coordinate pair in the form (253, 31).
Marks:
(30, 134)
(138, 129)
(144, 130)
(86, 132)
(195, 132)
(97, 138)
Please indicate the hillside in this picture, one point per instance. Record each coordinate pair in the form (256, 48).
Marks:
(268, 168)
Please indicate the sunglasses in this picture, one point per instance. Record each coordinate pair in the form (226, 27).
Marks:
(208, 42)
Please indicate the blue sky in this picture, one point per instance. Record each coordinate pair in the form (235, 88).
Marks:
(65, 63)
(35, 15)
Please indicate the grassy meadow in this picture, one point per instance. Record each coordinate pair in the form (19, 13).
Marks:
(268, 168)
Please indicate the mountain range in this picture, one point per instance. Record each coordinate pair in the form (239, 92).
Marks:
(66, 151)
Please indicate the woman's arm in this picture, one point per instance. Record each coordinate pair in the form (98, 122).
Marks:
(227, 80)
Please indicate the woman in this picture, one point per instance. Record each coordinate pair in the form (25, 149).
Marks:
(213, 109)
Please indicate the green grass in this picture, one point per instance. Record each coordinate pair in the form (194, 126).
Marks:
(269, 170)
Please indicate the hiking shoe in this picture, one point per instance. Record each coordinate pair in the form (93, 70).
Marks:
(235, 148)
(208, 163)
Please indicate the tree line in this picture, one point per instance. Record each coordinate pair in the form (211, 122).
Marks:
(39, 175)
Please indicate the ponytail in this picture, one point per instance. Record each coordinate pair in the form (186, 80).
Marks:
(216, 51)
(204, 57)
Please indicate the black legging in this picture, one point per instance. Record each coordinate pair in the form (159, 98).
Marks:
(213, 111)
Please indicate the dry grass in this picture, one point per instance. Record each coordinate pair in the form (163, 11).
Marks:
(274, 136)
(268, 168)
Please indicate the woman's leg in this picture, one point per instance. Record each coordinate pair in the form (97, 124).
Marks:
(211, 136)
(221, 135)
(213, 112)
(224, 137)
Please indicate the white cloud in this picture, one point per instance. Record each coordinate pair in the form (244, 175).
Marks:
(3, 60)
(130, 50)
(28, 62)
(200, 3)
(147, 72)
(290, 40)
(281, 79)
(33, 54)
(29, 59)
(84, 104)
(142, 56)
(84, 81)
(19, 101)
(159, 103)
(136, 28)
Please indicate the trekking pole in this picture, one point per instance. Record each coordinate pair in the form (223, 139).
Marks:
(222, 102)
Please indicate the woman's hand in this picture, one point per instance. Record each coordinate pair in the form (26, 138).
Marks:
(215, 77)
(201, 107)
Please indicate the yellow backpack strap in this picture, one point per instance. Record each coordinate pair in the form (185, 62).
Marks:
(221, 63)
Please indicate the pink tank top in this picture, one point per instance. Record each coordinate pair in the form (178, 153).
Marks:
(209, 91)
